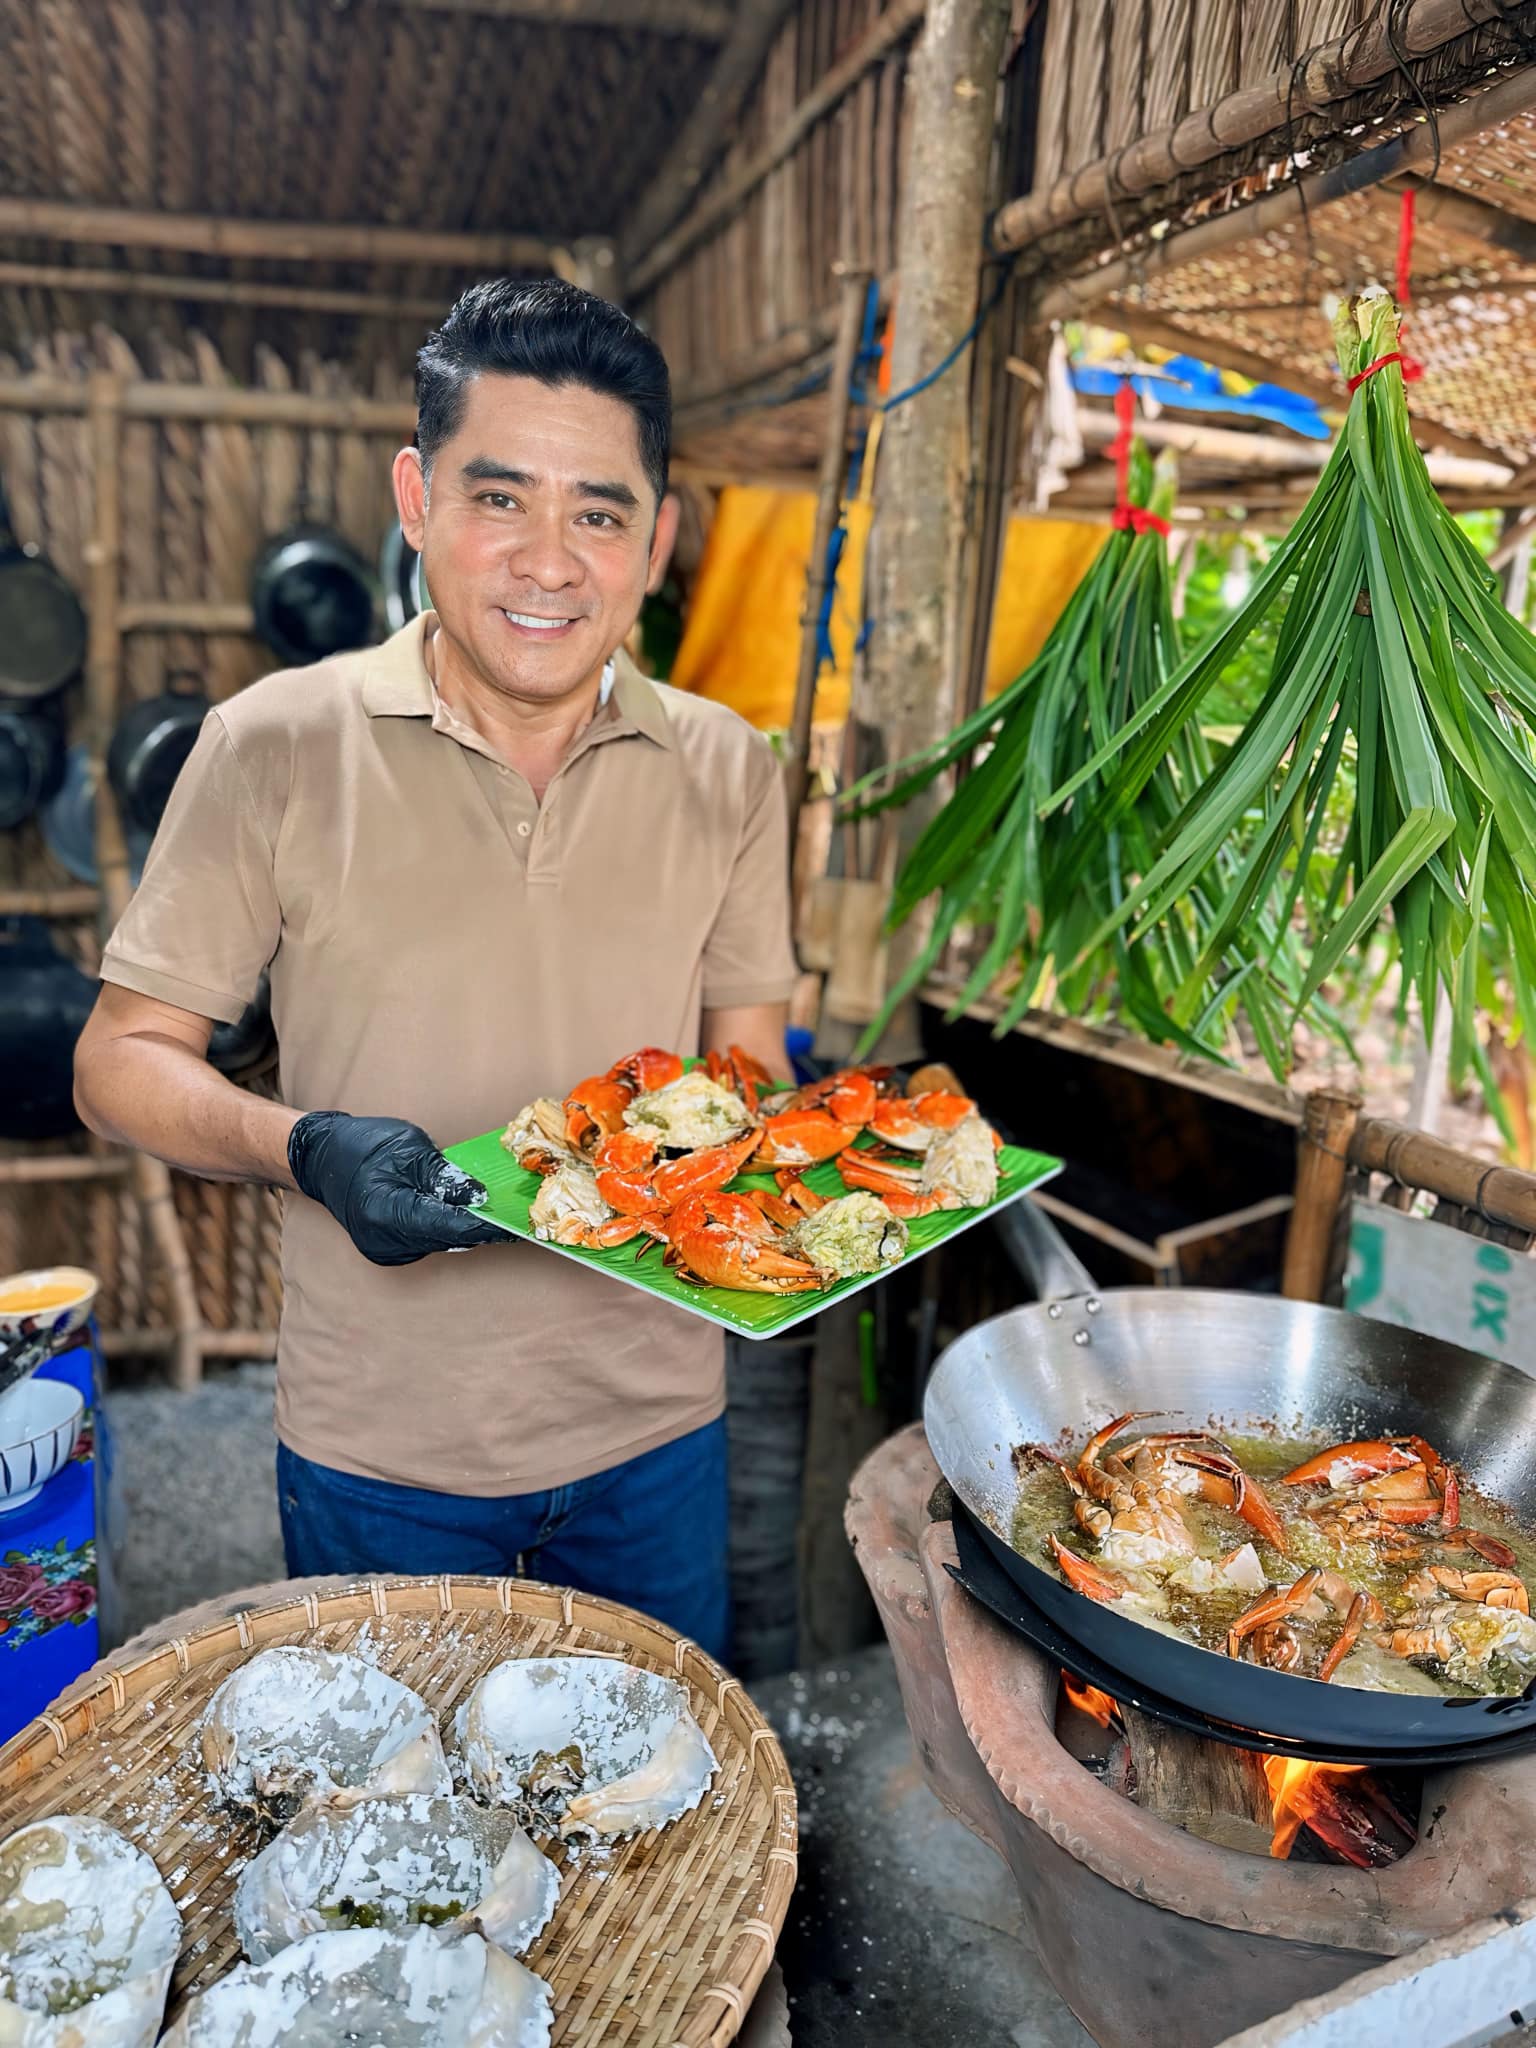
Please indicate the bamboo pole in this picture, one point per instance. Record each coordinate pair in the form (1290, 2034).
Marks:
(62, 1166)
(281, 241)
(1327, 1126)
(232, 404)
(218, 291)
(151, 1177)
(899, 20)
(829, 493)
(68, 902)
(1503, 1194)
(192, 615)
(1328, 74)
(702, 20)
(703, 134)
(1409, 152)
(1274, 453)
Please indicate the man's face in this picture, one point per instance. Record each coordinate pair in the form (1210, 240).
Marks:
(540, 534)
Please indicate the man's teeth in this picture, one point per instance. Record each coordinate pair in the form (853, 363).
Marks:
(539, 625)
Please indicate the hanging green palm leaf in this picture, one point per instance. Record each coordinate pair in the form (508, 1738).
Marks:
(1395, 645)
(1046, 896)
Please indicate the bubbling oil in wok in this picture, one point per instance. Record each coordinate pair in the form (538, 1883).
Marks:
(1043, 1525)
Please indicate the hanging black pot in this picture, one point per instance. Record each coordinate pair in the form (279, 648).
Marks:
(149, 750)
(313, 595)
(31, 760)
(44, 1002)
(67, 821)
(404, 584)
(42, 627)
(248, 1043)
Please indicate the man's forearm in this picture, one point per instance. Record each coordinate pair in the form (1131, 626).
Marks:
(161, 1096)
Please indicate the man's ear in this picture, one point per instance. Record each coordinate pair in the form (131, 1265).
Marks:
(663, 540)
(411, 497)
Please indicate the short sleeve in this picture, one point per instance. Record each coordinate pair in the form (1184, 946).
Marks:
(204, 921)
(749, 957)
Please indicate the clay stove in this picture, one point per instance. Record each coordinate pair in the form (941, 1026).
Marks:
(1152, 1935)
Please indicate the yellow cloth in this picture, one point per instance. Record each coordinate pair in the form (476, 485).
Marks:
(741, 639)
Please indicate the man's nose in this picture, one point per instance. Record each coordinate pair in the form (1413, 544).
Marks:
(543, 553)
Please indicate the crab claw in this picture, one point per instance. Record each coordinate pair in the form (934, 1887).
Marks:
(1344, 1464)
(1086, 1578)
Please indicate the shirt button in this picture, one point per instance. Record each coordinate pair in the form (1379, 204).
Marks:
(523, 830)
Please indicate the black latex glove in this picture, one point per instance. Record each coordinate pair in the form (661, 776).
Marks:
(387, 1185)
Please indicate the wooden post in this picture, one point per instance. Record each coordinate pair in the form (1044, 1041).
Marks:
(914, 574)
(151, 1177)
(829, 494)
(1328, 1124)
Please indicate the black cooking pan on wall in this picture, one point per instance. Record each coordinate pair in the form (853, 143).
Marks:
(1241, 1364)
(312, 594)
(42, 626)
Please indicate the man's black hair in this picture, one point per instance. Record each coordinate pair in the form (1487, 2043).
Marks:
(557, 334)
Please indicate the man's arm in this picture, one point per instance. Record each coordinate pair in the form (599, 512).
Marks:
(758, 1028)
(142, 1078)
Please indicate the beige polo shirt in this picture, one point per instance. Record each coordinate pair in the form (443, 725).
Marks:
(443, 947)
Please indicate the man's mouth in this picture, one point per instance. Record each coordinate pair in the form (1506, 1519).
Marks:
(538, 624)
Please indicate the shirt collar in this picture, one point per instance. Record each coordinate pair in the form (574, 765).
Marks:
(396, 685)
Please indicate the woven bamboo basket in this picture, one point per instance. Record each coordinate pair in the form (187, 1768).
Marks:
(659, 1942)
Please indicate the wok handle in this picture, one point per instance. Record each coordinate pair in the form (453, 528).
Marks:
(1040, 1252)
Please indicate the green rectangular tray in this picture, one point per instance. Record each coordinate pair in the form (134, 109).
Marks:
(512, 1189)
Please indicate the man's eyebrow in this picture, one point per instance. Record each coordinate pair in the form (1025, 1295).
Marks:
(486, 469)
(610, 493)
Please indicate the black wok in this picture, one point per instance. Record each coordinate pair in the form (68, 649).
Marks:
(1241, 1363)
(42, 627)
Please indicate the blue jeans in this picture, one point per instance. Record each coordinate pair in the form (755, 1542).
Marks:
(650, 1533)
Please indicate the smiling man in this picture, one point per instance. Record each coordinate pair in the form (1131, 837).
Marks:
(478, 862)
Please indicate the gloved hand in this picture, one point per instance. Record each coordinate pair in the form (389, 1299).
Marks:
(387, 1185)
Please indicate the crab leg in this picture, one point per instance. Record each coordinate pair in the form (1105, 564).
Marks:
(1272, 1607)
(1349, 1635)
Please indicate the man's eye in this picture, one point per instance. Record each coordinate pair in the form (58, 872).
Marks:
(497, 500)
(598, 519)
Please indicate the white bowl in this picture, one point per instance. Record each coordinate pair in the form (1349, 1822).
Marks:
(39, 1428)
(60, 1319)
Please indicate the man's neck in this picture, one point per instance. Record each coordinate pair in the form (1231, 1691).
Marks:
(532, 737)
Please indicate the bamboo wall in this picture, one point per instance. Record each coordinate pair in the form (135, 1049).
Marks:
(199, 498)
(767, 271)
(1114, 69)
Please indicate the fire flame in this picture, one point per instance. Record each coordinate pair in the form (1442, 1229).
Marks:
(1300, 1792)
(1089, 1700)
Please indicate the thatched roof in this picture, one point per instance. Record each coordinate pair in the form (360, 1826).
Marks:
(428, 115)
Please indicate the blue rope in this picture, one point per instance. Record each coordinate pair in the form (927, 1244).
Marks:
(960, 347)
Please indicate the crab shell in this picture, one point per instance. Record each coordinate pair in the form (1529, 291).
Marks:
(854, 1234)
(689, 1114)
(295, 1721)
(566, 1202)
(398, 1859)
(538, 1130)
(88, 1938)
(963, 1162)
(424, 1989)
(584, 1745)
